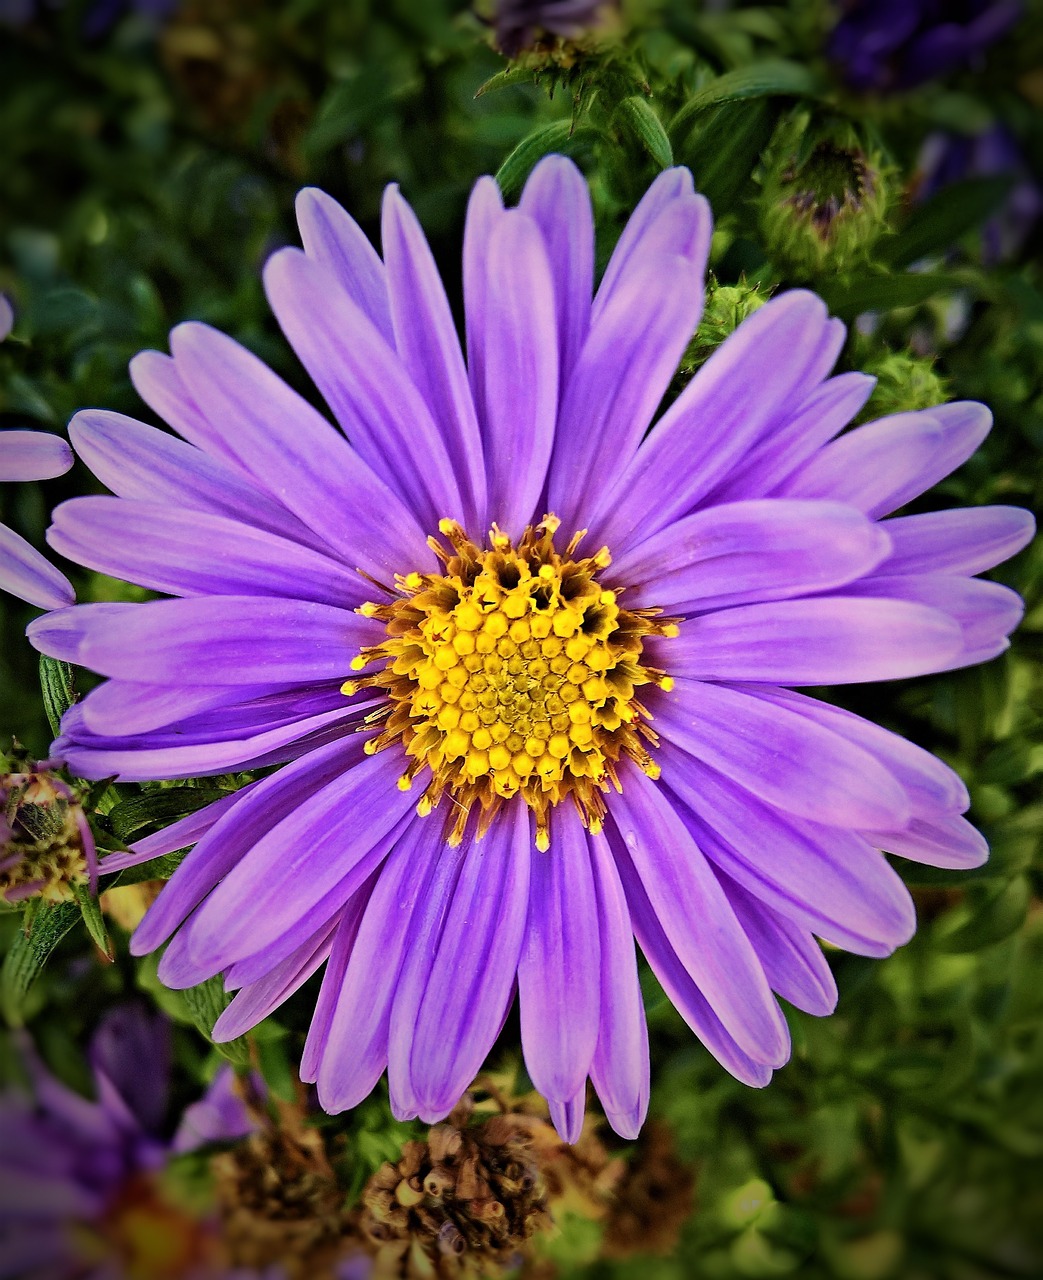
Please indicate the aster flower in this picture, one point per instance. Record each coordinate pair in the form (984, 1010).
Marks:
(571, 646)
(32, 455)
(519, 23)
(898, 44)
(81, 1196)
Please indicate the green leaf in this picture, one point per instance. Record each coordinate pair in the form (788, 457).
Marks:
(726, 148)
(995, 917)
(45, 927)
(90, 910)
(58, 684)
(937, 224)
(205, 1004)
(503, 79)
(887, 292)
(160, 808)
(643, 123)
(561, 137)
(775, 78)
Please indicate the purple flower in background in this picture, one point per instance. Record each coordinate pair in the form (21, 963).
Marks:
(80, 1197)
(559, 731)
(887, 45)
(520, 22)
(951, 157)
(32, 455)
(98, 18)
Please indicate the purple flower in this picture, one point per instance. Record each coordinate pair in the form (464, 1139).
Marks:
(80, 1195)
(99, 17)
(887, 45)
(519, 23)
(32, 455)
(951, 157)
(552, 740)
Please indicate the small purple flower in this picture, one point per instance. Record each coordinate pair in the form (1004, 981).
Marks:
(520, 22)
(32, 455)
(951, 157)
(560, 730)
(81, 1196)
(887, 45)
(98, 18)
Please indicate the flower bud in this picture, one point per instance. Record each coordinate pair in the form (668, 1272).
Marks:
(46, 848)
(904, 382)
(727, 306)
(825, 198)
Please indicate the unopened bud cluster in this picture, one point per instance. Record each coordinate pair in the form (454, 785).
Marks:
(44, 836)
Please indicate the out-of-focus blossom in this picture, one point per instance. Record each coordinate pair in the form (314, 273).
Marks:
(952, 157)
(887, 45)
(99, 16)
(520, 23)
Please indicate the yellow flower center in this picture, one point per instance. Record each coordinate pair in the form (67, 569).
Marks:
(513, 673)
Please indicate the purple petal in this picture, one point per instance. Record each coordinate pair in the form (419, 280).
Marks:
(939, 842)
(743, 552)
(557, 198)
(932, 787)
(823, 415)
(256, 1000)
(669, 220)
(484, 212)
(624, 368)
(793, 961)
(208, 640)
(567, 1116)
(292, 450)
(131, 1047)
(559, 973)
(784, 758)
(619, 1071)
(519, 360)
(675, 979)
(353, 1050)
(122, 708)
(160, 383)
(240, 824)
(985, 612)
(755, 380)
(137, 461)
(219, 1116)
(471, 982)
(25, 573)
(967, 540)
(367, 386)
(314, 851)
(333, 239)
(190, 553)
(425, 336)
(881, 466)
(33, 455)
(696, 918)
(829, 640)
(827, 880)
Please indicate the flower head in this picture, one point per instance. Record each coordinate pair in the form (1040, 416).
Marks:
(32, 455)
(450, 626)
(898, 44)
(520, 23)
(46, 845)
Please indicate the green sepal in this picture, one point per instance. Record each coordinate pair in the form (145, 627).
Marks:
(90, 910)
(724, 152)
(562, 137)
(44, 926)
(205, 1004)
(58, 685)
(641, 121)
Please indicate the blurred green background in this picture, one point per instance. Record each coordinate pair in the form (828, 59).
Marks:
(146, 171)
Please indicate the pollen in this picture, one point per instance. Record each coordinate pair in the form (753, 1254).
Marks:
(512, 675)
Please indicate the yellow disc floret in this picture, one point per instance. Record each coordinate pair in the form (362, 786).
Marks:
(513, 673)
